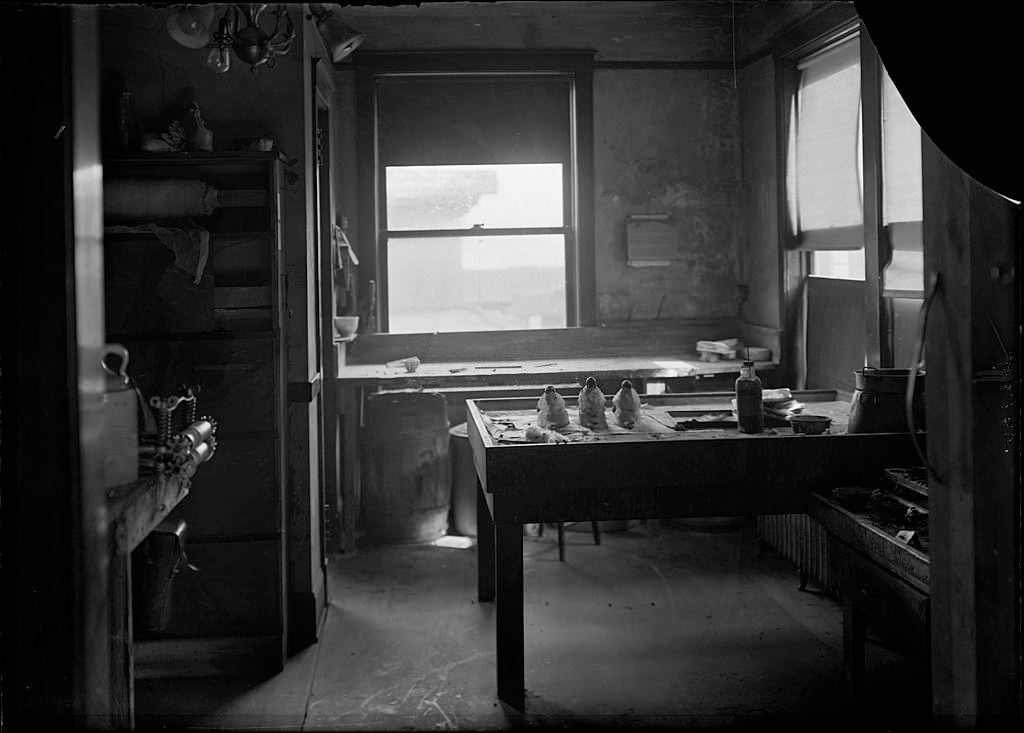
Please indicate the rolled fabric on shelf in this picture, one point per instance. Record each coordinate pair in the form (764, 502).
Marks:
(147, 199)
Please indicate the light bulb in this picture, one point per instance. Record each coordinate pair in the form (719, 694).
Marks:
(188, 22)
(219, 60)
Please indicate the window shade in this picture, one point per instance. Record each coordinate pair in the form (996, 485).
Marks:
(445, 120)
(901, 193)
(901, 158)
(826, 157)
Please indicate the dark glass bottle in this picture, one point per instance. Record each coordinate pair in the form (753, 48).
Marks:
(749, 409)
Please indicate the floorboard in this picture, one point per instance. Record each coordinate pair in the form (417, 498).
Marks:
(693, 628)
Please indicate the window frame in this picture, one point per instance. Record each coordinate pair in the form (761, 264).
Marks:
(578, 187)
(796, 266)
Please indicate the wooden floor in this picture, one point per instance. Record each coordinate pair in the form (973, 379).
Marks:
(697, 628)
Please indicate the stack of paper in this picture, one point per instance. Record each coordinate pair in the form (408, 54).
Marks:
(715, 350)
(780, 403)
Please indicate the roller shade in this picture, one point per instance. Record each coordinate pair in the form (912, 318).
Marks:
(901, 167)
(825, 157)
(446, 120)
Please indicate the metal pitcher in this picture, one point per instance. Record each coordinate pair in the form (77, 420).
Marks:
(120, 422)
(878, 403)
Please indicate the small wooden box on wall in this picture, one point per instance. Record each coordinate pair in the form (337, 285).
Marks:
(651, 240)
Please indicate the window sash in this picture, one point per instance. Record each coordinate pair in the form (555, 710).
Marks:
(476, 283)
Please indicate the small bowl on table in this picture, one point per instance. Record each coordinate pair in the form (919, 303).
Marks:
(810, 424)
(345, 326)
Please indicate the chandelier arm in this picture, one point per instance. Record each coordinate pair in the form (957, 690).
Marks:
(281, 42)
(233, 11)
(277, 22)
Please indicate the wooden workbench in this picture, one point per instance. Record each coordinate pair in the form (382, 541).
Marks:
(442, 374)
(462, 377)
(133, 511)
(651, 471)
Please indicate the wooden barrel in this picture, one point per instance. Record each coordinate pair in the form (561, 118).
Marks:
(406, 470)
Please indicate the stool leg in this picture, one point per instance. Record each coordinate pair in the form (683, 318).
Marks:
(561, 542)
(597, 533)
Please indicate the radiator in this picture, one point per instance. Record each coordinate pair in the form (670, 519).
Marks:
(802, 541)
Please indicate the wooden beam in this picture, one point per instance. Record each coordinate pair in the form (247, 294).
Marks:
(973, 244)
(878, 350)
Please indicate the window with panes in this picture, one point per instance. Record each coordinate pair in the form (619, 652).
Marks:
(476, 214)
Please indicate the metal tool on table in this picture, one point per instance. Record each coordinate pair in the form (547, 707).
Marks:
(182, 442)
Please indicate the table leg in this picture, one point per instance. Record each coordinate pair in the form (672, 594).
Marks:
(484, 548)
(122, 682)
(854, 629)
(509, 612)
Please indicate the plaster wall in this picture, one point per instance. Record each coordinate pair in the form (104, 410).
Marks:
(667, 141)
(760, 235)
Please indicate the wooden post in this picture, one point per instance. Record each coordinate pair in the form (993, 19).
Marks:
(56, 655)
(351, 399)
(972, 242)
(122, 681)
(877, 330)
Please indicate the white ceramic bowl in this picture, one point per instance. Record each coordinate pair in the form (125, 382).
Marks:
(345, 326)
(810, 424)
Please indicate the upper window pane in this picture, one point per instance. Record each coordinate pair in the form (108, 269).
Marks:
(463, 196)
(901, 157)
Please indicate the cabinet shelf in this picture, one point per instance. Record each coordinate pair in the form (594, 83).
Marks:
(223, 334)
(191, 158)
(248, 335)
(221, 239)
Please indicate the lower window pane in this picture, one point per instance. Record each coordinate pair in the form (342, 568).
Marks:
(838, 264)
(476, 283)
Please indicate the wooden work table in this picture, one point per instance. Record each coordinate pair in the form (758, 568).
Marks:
(462, 377)
(519, 363)
(537, 371)
(650, 471)
(880, 579)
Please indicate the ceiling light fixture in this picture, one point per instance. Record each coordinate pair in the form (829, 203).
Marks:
(192, 27)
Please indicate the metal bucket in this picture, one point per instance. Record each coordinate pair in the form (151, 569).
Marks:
(879, 401)
(155, 562)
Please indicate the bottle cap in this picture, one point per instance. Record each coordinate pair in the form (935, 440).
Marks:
(748, 363)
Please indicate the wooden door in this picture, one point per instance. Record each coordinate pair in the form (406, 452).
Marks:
(56, 664)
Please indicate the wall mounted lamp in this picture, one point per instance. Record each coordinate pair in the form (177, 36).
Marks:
(341, 40)
(192, 27)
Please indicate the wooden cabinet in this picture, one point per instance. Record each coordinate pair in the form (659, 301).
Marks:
(194, 290)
